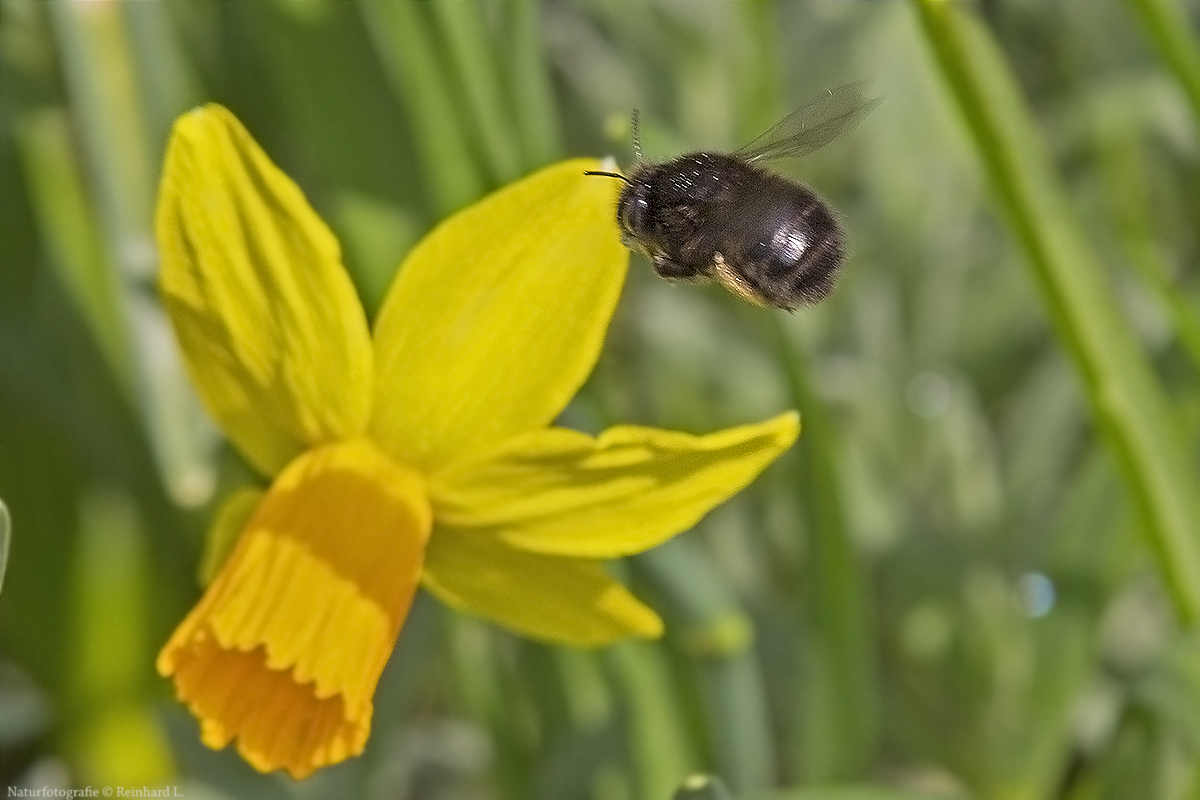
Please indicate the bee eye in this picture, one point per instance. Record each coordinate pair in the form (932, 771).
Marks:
(635, 209)
(626, 216)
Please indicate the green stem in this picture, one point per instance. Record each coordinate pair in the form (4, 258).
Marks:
(1149, 263)
(841, 718)
(1125, 397)
(659, 754)
(1170, 31)
(715, 632)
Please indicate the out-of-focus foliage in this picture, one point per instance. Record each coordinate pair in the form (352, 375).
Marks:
(961, 583)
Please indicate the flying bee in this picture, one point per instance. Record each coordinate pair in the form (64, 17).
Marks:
(718, 216)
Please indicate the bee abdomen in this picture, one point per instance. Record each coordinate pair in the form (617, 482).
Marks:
(795, 259)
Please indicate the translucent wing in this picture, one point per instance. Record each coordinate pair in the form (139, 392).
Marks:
(814, 124)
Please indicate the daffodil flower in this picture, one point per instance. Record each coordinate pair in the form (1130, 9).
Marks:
(419, 453)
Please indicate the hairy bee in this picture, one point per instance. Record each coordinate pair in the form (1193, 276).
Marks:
(717, 216)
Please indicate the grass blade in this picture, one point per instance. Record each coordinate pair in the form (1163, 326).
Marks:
(534, 110)
(1171, 33)
(1125, 398)
(717, 635)
(474, 58)
(406, 51)
(842, 725)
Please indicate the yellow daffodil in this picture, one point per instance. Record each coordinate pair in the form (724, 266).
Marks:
(419, 453)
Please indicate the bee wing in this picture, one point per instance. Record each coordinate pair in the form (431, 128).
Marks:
(814, 124)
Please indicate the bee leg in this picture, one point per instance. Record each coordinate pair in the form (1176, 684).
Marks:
(737, 284)
(673, 270)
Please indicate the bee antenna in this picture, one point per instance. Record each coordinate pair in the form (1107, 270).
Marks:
(637, 138)
(607, 174)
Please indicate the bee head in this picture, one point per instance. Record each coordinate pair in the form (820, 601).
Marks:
(633, 206)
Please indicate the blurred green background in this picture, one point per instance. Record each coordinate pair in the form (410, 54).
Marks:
(976, 575)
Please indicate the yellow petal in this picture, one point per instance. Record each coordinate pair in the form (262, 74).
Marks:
(564, 493)
(567, 600)
(273, 335)
(497, 316)
(285, 648)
